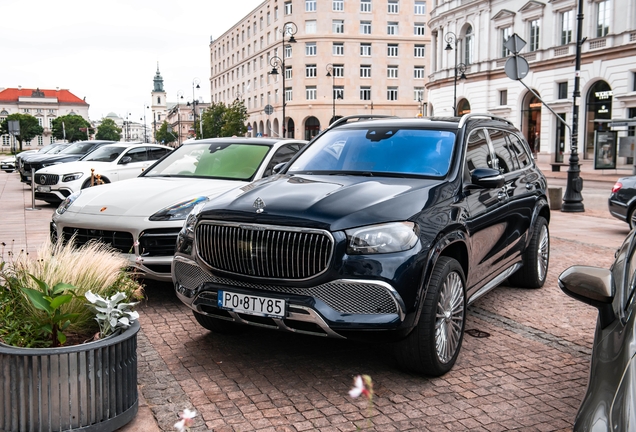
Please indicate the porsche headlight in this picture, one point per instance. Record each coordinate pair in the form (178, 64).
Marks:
(72, 176)
(67, 202)
(383, 238)
(178, 211)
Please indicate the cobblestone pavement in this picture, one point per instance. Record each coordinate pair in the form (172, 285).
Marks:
(528, 373)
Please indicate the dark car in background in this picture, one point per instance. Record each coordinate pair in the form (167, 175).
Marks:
(71, 153)
(379, 230)
(48, 149)
(622, 200)
(608, 404)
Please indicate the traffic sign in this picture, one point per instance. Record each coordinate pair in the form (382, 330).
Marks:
(269, 109)
(14, 127)
(516, 67)
(514, 43)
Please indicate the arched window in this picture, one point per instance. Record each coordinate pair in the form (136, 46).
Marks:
(469, 45)
(158, 100)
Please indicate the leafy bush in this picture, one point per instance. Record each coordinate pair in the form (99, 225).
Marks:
(93, 267)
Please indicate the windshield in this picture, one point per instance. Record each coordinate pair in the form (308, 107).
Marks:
(382, 150)
(218, 160)
(104, 154)
(78, 148)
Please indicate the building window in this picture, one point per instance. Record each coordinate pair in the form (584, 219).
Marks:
(365, 71)
(269, 18)
(391, 71)
(419, 29)
(418, 72)
(566, 27)
(337, 5)
(392, 93)
(468, 46)
(365, 93)
(603, 13)
(633, 81)
(276, 13)
(393, 7)
(310, 92)
(310, 71)
(534, 35)
(50, 122)
(562, 89)
(420, 8)
(503, 97)
(288, 94)
(6, 140)
(505, 34)
(338, 70)
(310, 48)
(338, 49)
(310, 27)
(40, 141)
(392, 50)
(418, 94)
(392, 28)
(365, 5)
(338, 92)
(310, 5)
(288, 11)
(288, 72)
(365, 27)
(419, 51)
(337, 26)
(288, 51)
(365, 49)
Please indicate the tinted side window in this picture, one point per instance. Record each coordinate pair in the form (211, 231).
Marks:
(478, 152)
(518, 147)
(138, 154)
(506, 158)
(157, 153)
(283, 154)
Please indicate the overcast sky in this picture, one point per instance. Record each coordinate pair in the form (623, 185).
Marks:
(108, 51)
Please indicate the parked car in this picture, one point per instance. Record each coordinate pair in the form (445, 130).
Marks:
(622, 200)
(8, 164)
(608, 404)
(106, 164)
(71, 153)
(141, 217)
(378, 230)
(50, 149)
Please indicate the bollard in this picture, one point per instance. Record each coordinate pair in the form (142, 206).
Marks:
(555, 196)
(33, 207)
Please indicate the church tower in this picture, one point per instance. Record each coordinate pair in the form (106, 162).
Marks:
(159, 105)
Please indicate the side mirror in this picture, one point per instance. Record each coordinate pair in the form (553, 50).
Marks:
(591, 285)
(278, 167)
(125, 160)
(487, 178)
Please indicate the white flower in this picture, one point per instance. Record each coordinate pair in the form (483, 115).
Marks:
(187, 420)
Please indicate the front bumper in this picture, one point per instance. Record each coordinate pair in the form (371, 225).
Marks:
(351, 308)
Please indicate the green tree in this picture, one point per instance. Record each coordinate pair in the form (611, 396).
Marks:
(108, 130)
(70, 127)
(213, 120)
(29, 127)
(234, 119)
(165, 134)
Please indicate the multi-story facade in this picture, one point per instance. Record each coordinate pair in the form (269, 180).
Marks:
(471, 34)
(130, 130)
(44, 105)
(349, 57)
(181, 119)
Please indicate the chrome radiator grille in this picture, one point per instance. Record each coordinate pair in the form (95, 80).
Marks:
(264, 250)
(47, 179)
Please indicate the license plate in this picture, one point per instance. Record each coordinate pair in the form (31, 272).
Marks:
(251, 305)
(44, 189)
(28, 178)
(5, 166)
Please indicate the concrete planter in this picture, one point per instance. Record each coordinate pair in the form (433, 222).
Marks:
(88, 387)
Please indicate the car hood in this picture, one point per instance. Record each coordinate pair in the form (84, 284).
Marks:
(327, 202)
(75, 166)
(144, 196)
(60, 158)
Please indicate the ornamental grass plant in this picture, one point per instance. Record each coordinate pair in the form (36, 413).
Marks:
(93, 267)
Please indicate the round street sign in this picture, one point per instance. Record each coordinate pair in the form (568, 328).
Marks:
(516, 67)
(269, 109)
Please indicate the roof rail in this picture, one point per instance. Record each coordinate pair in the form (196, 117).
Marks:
(359, 117)
(470, 116)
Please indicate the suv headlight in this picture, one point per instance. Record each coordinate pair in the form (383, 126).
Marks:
(72, 176)
(383, 238)
(67, 203)
(46, 164)
(178, 211)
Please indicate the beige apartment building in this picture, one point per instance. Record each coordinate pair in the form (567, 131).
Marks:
(329, 58)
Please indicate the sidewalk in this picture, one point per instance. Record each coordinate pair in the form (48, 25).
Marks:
(587, 170)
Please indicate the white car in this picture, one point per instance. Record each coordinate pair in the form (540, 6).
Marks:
(106, 164)
(142, 217)
(8, 164)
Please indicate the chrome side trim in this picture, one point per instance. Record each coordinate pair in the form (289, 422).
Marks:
(494, 283)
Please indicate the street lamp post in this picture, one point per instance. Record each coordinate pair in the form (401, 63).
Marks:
(460, 68)
(195, 82)
(330, 73)
(179, 99)
(279, 63)
(145, 131)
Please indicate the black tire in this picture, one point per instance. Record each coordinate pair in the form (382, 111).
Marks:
(219, 326)
(631, 218)
(536, 258)
(433, 346)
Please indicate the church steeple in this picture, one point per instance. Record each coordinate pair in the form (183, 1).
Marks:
(158, 81)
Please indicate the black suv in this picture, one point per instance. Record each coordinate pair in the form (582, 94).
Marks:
(380, 229)
(69, 154)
